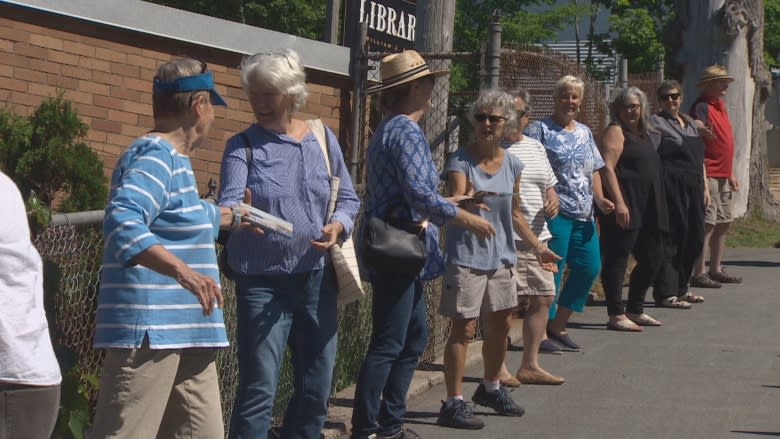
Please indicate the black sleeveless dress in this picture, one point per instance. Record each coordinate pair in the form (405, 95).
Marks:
(639, 175)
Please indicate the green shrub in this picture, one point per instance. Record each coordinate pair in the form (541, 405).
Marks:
(45, 154)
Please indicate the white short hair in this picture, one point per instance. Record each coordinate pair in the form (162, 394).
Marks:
(281, 70)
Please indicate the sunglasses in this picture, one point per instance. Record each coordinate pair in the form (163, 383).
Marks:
(673, 96)
(521, 113)
(492, 118)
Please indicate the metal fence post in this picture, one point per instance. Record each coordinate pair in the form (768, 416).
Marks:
(358, 67)
(494, 51)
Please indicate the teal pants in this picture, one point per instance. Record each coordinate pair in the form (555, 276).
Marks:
(577, 243)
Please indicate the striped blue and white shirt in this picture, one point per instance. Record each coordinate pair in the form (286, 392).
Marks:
(154, 200)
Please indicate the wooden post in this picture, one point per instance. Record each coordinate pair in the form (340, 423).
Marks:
(434, 33)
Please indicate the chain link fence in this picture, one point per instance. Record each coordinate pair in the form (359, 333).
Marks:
(72, 253)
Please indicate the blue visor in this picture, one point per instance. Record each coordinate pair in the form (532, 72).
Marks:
(202, 82)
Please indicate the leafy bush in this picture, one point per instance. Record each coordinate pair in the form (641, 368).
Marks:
(46, 153)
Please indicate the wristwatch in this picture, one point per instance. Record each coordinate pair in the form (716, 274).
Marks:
(236, 217)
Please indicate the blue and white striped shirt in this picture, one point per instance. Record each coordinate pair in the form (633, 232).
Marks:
(154, 200)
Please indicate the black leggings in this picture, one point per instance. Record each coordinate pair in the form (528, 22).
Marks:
(616, 245)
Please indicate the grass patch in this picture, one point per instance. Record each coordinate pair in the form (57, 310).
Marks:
(753, 231)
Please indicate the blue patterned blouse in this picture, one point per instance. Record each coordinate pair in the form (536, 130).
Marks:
(401, 183)
(573, 156)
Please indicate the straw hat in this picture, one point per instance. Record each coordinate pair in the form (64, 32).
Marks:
(712, 73)
(400, 68)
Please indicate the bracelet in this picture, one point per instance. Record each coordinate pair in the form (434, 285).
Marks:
(236, 217)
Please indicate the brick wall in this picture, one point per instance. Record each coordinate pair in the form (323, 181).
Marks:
(107, 73)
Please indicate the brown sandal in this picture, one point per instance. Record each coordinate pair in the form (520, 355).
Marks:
(691, 298)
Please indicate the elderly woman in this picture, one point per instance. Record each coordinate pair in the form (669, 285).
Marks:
(286, 293)
(538, 201)
(632, 181)
(681, 151)
(479, 276)
(576, 161)
(401, 187)
(159, 310)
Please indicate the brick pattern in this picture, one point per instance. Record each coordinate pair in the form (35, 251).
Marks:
(109, 82)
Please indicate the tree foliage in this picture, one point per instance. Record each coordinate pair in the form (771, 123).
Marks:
(305, 18)
(772, 31)
(46, 153)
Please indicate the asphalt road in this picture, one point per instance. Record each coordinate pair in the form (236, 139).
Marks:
(709, 372)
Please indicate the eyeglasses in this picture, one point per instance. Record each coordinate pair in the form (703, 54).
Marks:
(673, 96)
(522, 113)
(492, 118)
(632, 107)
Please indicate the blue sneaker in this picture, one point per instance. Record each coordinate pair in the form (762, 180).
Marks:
(458, 415)
(499, 400)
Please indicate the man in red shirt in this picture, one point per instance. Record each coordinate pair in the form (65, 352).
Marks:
(709, 112)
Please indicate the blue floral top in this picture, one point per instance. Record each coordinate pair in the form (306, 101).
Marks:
(401, 183)
(573, 156)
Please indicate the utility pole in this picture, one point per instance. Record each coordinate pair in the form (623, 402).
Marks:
(331, 31)
(435, 26)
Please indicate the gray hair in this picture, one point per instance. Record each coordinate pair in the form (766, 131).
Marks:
(528, 101)
(175, 104)
(492, 100)
(281, 70)
(619, 102)
(567, 82)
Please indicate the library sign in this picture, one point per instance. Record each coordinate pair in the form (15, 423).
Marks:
(391, 23)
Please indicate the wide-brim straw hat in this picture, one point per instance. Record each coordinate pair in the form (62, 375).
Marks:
(712, 73)
(401, 68)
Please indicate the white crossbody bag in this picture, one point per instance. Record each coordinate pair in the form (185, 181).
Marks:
(342, 255)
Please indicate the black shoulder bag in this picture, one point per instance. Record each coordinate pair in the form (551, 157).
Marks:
(391, 247)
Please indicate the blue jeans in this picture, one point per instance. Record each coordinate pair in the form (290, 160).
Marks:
(274, 311)
(398, 338)
(577, 243)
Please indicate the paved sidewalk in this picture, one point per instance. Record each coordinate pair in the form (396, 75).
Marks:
(709, 372)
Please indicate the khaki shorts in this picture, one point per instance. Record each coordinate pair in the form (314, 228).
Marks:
(531, 279)
(467, 291)
(719, 210)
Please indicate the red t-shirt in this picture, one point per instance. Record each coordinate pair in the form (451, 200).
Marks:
(718, 152)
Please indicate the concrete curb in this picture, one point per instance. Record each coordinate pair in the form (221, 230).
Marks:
(338, 424)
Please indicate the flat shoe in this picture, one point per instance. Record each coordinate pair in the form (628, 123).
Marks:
(624, 325)
(509, 381)
(643, 319)
(691, 298)
(564, 340)
(527, 376)
(548, 347)
(704, 281)
(673, 302)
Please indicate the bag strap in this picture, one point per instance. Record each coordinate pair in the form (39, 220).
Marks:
(317, 128)
(248, 152)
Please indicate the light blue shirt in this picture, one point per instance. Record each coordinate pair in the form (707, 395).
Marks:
(154, 200)
(288, 179)
(573, 156)
(463, 247)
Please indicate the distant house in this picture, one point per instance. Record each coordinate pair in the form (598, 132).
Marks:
(566, 42)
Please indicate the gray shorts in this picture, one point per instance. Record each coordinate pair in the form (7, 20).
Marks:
(530, 277)
(467, 291)
(721, 200)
